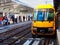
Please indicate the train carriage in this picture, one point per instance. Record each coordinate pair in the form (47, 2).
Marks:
(43, 22)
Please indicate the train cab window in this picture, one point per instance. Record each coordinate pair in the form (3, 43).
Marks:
(40, 16)
(44, 15)
(51, 15)
(35, 15)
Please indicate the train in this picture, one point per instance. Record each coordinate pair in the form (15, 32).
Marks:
(43, 21)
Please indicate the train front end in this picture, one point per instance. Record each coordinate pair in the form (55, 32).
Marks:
(43, 22)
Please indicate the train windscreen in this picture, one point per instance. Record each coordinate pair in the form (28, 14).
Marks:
(43, 15)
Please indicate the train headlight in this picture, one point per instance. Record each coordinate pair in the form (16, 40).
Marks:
(35, 30)
(50, 30)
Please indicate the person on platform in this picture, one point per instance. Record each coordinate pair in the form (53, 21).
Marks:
(5, 20)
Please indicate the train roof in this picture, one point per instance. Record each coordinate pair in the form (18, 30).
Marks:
(46, 6)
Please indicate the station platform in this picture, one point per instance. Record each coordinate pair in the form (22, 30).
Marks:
(7, 28)
(58, 37)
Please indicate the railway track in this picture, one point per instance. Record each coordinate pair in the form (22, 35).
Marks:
(22, 36)
(36, 41)
(11, 36)
(21, 39)
(15, 38)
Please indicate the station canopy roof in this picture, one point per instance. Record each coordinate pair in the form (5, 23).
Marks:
(17, 5)
(34, 3)
(12, 6)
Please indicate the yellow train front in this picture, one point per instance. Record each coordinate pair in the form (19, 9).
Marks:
(43, 22)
